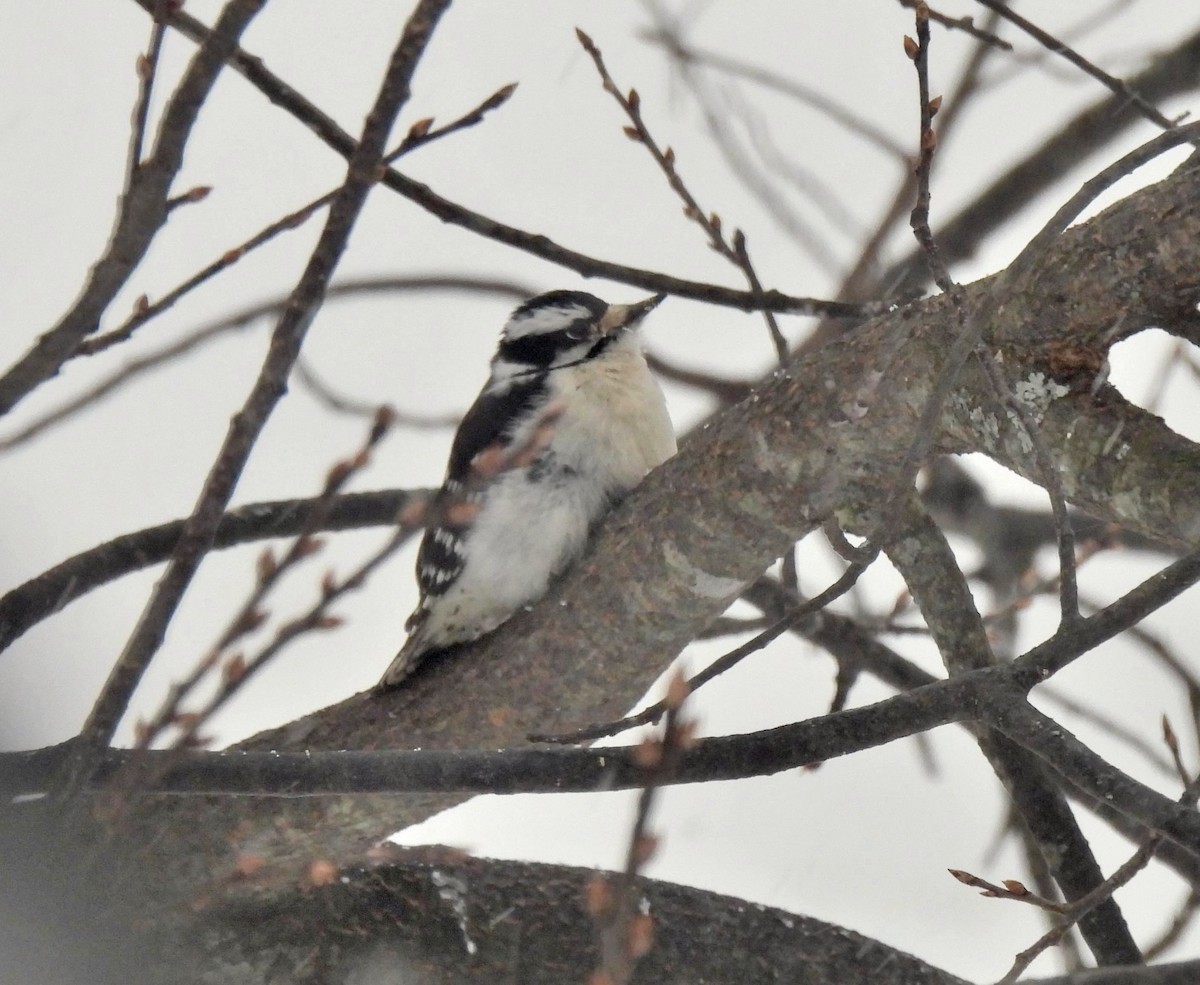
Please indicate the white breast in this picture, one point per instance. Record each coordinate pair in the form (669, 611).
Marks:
(615, 425)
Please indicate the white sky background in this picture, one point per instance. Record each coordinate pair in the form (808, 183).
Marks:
(863, 842)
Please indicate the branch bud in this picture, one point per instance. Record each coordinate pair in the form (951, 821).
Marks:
(234, 669)
(648, 753)
(308, 545)
(677, 690)
(197, 193)
(266, 564)
(598, 898)
(420, 128)
(641, 935)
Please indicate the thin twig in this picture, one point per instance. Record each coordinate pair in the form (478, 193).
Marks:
(419, 135)
(344, 403)
(1087, 23)
(719, 111)
(1089, 131)
(142, 209)
(864, 278)
(625, 931)
(1031, 587)
(362, 173)
(853, 123)
(25, 606)
(147, 310)
(536, 244)
(422, 133)
(1011, 890)
(1051, 43)
(1175, 930)
(734, 251)
(1071, 913)
(723, 663)
(727, 391)
(147, 68)
(252, 612)
(318, 617)
(964, 24)
(919, 52)
(240, 319)
(1112, 728)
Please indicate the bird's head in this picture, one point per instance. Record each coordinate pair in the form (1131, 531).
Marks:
(564, 328)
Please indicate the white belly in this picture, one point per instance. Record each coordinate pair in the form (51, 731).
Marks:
(511, 562)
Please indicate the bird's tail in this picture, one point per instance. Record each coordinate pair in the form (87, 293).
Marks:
(403, 664)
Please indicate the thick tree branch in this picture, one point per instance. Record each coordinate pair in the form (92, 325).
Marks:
(40, 597)
(744, 489)
(927, 564)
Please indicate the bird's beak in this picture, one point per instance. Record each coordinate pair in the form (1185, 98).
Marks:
(620, 316)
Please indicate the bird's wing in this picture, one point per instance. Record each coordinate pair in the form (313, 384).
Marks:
(489, 422)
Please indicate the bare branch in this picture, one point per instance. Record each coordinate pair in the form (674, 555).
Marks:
(842, 115)
(240, 319)
(252, 612)
(625, 933)
(39, 598)
(1172, 72)
(143, 208)
(281, 94)
(417, 137)
(362, 173)
(147, 66)
(1051, 43)
(964, 24)
(735, 252)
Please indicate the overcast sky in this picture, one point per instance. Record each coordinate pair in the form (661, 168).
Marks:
(863, 842)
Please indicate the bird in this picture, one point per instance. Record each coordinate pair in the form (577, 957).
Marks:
(569, 421)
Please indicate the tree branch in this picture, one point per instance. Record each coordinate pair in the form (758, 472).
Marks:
(282, 94)
(143, 208)
(361, 174)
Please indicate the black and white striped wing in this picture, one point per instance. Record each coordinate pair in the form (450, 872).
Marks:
(490, 422)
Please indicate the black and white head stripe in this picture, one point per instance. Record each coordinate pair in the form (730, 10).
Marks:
(554, 312)
(561, 329)
(551, 328)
